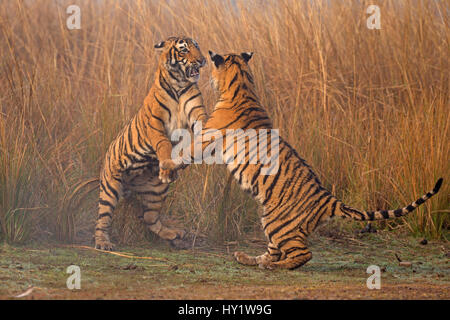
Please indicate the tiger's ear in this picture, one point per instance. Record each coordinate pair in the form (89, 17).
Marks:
(160, 45)
(216, 58)
(247, 56)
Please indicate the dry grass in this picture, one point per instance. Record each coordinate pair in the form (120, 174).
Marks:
(368, 109)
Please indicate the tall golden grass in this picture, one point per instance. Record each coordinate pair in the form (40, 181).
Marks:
(368, 109)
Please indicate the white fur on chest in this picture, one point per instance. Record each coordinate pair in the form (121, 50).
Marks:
(177, 121)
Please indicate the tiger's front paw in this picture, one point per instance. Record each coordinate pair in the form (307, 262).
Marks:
(167, 171)
(104, 245)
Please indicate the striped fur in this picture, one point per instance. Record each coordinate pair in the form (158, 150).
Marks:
(294, 200)
(132, 162)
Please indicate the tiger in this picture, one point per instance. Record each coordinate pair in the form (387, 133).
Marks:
(132, 161)
(293, 199)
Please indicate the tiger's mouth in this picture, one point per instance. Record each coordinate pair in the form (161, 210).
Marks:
(194, 72)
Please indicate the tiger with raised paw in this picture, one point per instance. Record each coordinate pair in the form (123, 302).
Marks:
(132, 162)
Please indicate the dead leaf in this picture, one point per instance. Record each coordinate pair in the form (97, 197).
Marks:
(26, 293)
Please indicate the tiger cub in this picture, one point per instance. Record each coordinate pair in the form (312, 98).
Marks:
(293, 199)
(132, 162)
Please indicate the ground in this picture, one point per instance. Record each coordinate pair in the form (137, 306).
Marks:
(337, 271)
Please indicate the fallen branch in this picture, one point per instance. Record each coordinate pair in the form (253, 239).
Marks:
(118, 253)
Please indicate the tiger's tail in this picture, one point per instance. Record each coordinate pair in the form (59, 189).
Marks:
(346, 211)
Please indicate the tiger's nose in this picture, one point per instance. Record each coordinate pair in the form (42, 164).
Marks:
(201, 62)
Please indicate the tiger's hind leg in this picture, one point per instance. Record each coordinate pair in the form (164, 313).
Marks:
(110, 193)
(152, 193)
(272, 255)
(294, 254)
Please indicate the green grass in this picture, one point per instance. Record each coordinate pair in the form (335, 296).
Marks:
(336, 263)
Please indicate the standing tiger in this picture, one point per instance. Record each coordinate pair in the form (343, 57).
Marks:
(132, 162)
(294, 200)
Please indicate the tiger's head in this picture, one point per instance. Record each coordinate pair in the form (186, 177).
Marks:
(228, 68)
(182, 58)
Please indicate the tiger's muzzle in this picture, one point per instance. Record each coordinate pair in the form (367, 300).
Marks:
(193, 71)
